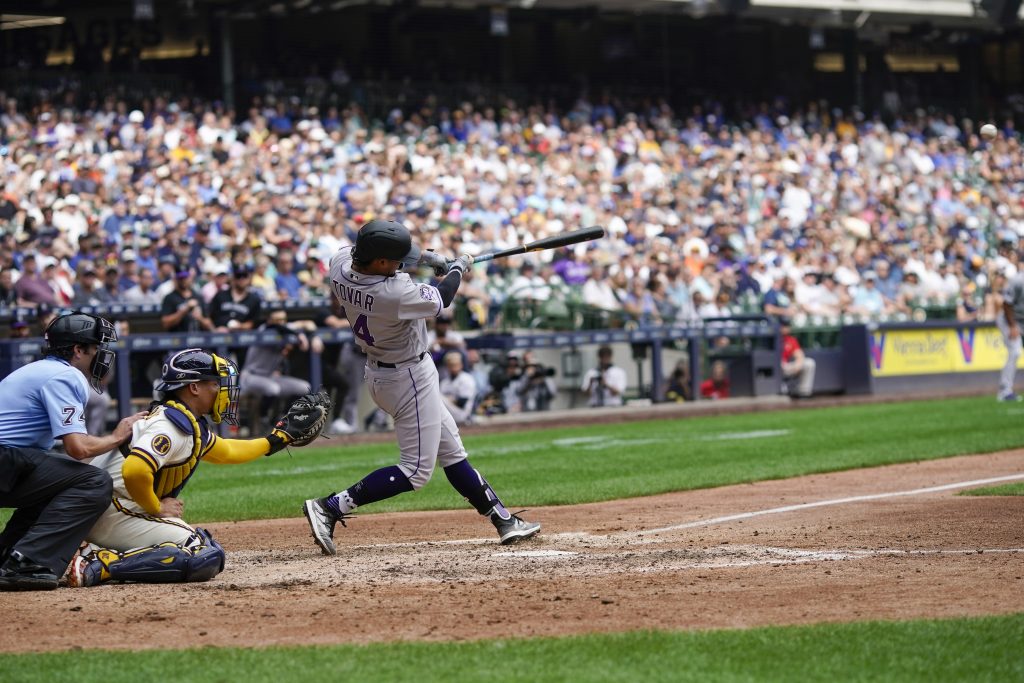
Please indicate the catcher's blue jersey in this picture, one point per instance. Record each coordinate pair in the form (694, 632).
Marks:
(41, 402)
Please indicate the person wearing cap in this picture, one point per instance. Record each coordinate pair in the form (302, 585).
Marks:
(605, 383)
(57, 498)
(443, 339)
(183, 310)
(87, 289)
(1009, 318)
(238, 306)
(797, 369)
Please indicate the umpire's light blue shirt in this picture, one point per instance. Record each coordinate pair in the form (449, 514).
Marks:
(41, 402)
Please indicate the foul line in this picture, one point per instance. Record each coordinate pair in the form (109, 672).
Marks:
(834, 501)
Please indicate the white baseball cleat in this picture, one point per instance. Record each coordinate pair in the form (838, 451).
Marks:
(339, 426)
(321, 523)
(513, 529)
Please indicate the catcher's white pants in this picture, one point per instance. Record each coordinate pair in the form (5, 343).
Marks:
(1013, 351)
(125, 526)
(427, 434)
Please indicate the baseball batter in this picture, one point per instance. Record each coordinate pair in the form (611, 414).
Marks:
(141, 535)
(387, 312)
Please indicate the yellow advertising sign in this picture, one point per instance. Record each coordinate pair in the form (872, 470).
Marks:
(936, 350)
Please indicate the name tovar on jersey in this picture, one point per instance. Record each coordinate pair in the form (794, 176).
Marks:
(387, 314)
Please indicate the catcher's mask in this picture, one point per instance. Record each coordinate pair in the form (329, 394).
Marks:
(66, 331)
(196, 365)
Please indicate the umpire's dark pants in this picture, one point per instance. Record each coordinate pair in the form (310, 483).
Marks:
(58, 499)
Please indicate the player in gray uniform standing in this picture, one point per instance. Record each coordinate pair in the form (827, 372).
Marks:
(1008, 321)
(387, 311)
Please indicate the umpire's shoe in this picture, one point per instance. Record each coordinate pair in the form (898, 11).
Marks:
(321, 520)
(514, 528)
(18, 573)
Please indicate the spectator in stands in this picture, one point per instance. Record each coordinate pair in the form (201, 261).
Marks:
(442, 339)
(8, 297)
(110, 288)
(717, 385)
(183, 309)
(867, 300)
(237, 307)
(598, 291)
(529, 285)
(144, 292)
(217, 282)
(287, 281)
(778, 301)
(32, 288)
(605, 384)
(458, 389)
(87, 289)
(797, 369)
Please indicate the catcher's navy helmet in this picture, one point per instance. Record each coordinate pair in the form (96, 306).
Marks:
(81, 328)
(197, 365)
(385, 239)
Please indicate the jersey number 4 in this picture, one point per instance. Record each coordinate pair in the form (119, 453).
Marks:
(360, 329)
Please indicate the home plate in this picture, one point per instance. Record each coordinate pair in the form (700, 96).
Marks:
(533, 553)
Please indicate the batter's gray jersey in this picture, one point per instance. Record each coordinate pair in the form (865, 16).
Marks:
(386, 313)
(1014, 295)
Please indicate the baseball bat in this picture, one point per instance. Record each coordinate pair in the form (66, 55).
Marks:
(553, 242)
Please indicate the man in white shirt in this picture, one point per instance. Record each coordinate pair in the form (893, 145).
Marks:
(606, 383)
(458, 389)
(597, 290)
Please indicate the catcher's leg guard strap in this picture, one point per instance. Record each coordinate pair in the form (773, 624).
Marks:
(201, 560)
(471, 484)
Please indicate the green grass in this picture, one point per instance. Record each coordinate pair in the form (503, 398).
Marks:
(605, 462)
(585, 464)
(1016, 489)
(976, 650)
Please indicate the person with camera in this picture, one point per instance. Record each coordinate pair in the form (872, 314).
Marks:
(504, 378)
(606, 383)
(183, 309)
(536, 386)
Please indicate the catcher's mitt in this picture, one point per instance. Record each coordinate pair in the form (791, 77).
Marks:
(304, 421)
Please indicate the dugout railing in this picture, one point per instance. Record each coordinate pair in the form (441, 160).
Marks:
(753, 349)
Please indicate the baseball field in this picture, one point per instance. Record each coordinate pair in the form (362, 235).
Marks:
(860, 542)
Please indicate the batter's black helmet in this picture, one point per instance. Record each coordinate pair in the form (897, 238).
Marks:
(65, 331)
(197, 365)
(385, 239)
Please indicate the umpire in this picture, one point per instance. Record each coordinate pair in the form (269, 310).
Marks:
(57, 498)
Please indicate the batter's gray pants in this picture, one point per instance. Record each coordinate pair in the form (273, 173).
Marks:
(1013, 351)
(58, 499)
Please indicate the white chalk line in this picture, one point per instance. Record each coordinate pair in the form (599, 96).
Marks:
(834, 501)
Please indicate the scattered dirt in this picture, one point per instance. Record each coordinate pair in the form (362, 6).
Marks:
(664, 561)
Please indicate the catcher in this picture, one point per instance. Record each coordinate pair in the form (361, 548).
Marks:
(141, 536)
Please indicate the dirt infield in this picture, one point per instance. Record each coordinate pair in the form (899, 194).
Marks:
(668, 561)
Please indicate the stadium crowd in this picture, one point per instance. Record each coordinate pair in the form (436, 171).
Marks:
(810, 214)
